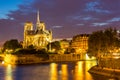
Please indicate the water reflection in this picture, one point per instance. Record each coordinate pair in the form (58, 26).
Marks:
(79, 71)
(9, 74)
(64, 69)
(55, 74)
(53, 71)
(81, 68)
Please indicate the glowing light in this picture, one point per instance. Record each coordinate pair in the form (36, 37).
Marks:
(53, 71)
(116, 57)
(78, 71)
(87, 57)
(3, 62)
(64, 72)
(81, 68)
(9, 73)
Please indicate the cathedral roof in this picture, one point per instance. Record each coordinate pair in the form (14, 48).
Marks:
(33, 32)
(41, 32)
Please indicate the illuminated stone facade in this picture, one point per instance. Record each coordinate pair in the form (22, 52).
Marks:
(39, 37)
(80, 43)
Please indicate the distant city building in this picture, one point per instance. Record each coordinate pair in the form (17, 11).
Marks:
(80, 43)
(39, 38)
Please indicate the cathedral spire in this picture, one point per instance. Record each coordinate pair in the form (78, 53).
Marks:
(38, 17)
(38, 21)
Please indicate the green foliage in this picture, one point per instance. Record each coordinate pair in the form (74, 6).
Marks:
(11, 44)
(102, 42)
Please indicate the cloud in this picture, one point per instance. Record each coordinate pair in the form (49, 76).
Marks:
(63, 16)
(80, 24)
(57, 26)
(95, 6)
(100, 24)
(115, 19)
(82, 18)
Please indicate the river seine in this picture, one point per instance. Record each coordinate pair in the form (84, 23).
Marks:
(52, 71)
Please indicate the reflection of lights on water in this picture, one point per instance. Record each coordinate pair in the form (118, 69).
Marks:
(81, 68)
(78, 75)
(9, 73)
(64, 72)
(53, 71)
(64, 69)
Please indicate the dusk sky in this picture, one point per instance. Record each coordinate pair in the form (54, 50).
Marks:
(66, 18)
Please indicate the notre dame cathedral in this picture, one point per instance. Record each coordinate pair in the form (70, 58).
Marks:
(38, 37)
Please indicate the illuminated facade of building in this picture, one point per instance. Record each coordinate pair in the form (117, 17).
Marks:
(80, 43)
(39, 37)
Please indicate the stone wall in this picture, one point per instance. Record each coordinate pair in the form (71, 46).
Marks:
(65, 57)
(22, 59)
(113, 63)
(31, 58)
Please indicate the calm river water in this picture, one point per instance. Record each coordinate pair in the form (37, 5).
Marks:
(52, 71)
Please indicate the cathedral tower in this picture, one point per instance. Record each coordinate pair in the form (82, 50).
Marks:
(39, 37)
(39, 25)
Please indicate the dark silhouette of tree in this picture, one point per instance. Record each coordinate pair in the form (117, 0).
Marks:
(31, 47)
(54, 45)
(101, 42)
(12, 44)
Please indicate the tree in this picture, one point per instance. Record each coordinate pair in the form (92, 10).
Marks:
(101, 42)
(12, 44)
(54, 45)
(94, 43)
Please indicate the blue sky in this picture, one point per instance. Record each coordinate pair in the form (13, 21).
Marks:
(8, 5)
(65, 17)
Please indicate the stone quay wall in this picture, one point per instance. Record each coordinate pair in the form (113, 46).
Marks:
(112, 63)
(22, 59)
(65, 57)
(30, 59)
(107, 67)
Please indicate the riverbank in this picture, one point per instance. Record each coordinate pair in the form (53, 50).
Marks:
(114, 74)
(36, 59)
